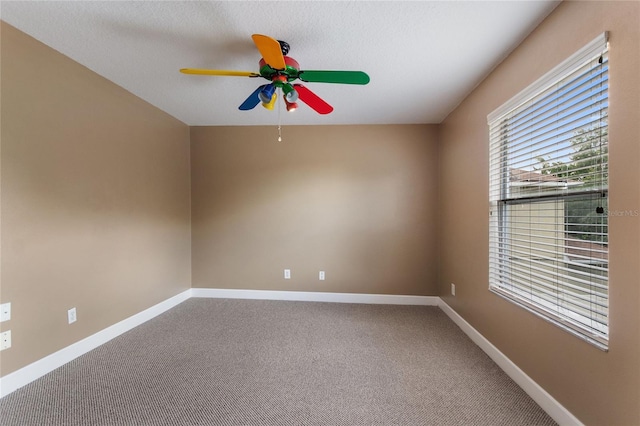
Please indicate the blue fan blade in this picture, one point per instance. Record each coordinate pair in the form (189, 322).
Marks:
(252, 100)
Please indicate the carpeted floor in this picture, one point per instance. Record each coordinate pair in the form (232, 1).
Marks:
(251, 362)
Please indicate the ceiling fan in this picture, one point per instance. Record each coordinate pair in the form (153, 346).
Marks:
(281, 70)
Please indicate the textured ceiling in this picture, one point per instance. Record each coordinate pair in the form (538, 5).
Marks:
(423, 57)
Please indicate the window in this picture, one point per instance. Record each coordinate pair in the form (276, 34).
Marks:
(548, 193)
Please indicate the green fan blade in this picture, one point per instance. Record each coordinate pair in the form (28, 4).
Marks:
(341, 77)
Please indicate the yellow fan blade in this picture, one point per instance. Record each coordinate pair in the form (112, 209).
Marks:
(270, 50)
(219, 72)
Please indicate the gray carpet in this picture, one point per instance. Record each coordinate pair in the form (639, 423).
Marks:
(246, 362)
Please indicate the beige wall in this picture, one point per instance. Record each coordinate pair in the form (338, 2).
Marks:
(600, 388)
(359, 202)
(95, 201)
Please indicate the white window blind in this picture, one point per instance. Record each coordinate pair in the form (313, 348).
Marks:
(548, 192)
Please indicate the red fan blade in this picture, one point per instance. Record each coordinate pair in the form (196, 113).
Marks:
(311, 99)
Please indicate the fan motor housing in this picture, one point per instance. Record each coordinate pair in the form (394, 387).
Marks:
(291, 70)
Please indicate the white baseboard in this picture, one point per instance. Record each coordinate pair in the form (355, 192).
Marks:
(307, 296)
(548, 403)
(33, 371)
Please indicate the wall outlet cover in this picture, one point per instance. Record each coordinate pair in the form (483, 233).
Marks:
(5, 312)
(5, 340)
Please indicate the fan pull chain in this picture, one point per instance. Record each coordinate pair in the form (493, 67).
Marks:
(279, 122)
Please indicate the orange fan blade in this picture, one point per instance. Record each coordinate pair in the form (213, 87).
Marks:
(270, 50)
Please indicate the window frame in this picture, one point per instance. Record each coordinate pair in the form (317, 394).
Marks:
(498, 219)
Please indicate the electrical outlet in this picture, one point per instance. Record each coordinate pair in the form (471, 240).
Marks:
(287, 274)
(321, 275)
(5, 312)
(453, 289)
(71, 315)
(5, 340)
